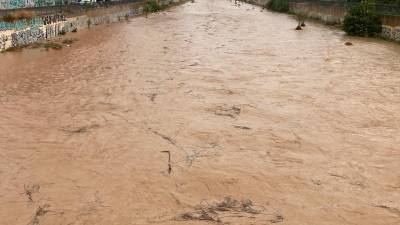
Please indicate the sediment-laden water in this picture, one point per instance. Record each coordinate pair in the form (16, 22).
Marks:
(298, 123)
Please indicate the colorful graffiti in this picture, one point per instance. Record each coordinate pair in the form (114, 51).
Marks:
(27, 37)
(390, 32)
(17, 4)
(3, 42)
(53, 18)
(21, 24)
(40, 29)
(35, 22)
(41, 3)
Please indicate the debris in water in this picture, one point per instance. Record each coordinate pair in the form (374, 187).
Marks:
(212, 212)
(242, 127)
(389, 209)
(52, 45)
(232, 111)
(40, 211)
(169, 161)
(77, 130)
(278, 219)
(69, 41)
(30, 189)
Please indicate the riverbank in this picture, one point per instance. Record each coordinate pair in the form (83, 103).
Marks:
(333, 13)
(22, 33)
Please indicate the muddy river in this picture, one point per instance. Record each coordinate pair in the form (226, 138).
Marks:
(264, 124)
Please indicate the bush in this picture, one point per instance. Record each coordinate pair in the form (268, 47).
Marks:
(278, 5)
(18, 15)
(52, 45)
(362, 20)
(152, 6)
(389, 2)
(9, 18)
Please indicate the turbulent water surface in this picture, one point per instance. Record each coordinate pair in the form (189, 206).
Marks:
(295, 126)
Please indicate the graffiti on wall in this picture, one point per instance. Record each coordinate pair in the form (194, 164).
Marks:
(21, 24)
(53, 18)
(41, 3)
(16, 4)
(35, 22)
(45, 28)
(53, 30)
(3, 42)
(396, 35)
(26, 37)
(70, 26)
(390, 32)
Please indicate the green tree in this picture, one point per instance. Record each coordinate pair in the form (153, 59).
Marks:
(278, 5)
(362, 20)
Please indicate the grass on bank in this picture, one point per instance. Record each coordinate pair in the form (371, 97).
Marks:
(278, 5)
(54, 45)
(45, 45)
(18, 15)
(152, 6)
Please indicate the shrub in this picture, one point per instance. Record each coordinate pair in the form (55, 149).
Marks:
(18, 15)
(278, 5)
(24, 14)
(389, 2)
(152, 6)
(362, 20)
(52, 45)
(8, 18)
(68, 41)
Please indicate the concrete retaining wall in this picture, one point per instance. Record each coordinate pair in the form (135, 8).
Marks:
(19, 38)
(329, 14)
(335, 13)
(390, 32)
(37, 32)
(20, 4)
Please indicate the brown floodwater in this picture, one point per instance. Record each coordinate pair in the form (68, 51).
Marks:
(298, 123)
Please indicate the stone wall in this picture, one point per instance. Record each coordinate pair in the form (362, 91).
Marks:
(53, 28)
(391, 27)
(17, 4)
(335, 13)
(329, 14)
(390, 32)
(49, 26)
(34, 22)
